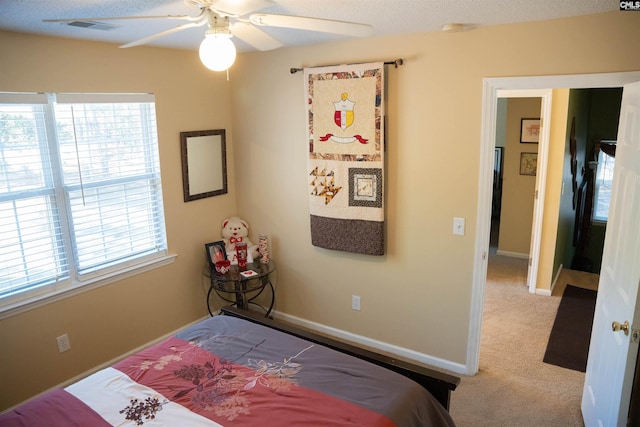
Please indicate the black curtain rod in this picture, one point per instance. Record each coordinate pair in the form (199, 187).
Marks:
(395, 63)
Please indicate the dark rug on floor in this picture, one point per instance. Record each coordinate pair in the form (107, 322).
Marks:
(568, 344)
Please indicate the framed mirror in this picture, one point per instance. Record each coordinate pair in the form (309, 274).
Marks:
(204, 163)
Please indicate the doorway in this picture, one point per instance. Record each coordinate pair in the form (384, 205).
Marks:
(512, 214)
(491, 91)
(592, 114)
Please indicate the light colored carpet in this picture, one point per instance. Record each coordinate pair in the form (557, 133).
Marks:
(513, 386)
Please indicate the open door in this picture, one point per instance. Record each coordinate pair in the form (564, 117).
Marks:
(613, 352)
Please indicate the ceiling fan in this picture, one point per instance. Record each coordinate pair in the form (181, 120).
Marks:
(227, 18)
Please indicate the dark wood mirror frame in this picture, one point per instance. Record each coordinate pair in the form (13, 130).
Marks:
(204, 163)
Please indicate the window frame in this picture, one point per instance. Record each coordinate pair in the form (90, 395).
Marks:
(78, 282)
(595, 219)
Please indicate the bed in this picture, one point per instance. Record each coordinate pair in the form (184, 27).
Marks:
(238, 369)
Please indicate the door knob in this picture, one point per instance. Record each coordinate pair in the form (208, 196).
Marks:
(617, 326)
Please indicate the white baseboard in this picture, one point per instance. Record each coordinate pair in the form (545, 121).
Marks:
(405, 353)
(549, 292)
(543, 292)
(555, 279)
(512, 254)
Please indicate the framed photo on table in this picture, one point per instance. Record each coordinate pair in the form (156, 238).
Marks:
(529, 131)
(215, 252)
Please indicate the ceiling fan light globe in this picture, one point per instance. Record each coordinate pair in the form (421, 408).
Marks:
(217, 52)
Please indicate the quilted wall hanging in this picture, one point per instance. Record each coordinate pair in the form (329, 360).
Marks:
(346, 156)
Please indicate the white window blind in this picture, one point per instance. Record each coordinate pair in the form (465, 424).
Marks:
(604, 182)
(80, 189)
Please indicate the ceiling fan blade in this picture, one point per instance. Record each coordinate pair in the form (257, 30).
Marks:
(254, 36)
(312, 24)
(163, 33)
(237, 8)
(118, 18)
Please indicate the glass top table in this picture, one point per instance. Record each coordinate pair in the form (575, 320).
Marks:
(241, 288)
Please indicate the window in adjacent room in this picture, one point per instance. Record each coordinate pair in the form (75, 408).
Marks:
(80, 191)
(604, 180)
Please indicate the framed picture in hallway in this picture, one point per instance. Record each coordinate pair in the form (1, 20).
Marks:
(529, 131)
(528, 163)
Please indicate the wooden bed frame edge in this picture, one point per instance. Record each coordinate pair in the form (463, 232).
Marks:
(439, 384)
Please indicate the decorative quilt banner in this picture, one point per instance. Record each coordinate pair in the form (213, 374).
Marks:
(346, 156)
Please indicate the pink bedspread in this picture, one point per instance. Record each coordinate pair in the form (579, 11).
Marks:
(226, 371)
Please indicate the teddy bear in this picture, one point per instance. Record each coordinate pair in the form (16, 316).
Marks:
(235, 229)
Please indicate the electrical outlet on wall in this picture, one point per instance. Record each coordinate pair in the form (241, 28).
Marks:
(63, 343)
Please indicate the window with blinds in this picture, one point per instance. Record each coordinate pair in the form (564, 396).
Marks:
(80, 190)
(604, 182)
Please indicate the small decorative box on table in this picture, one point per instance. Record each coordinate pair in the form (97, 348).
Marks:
(241, 288)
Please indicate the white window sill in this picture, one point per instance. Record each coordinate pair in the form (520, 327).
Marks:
(12, 308)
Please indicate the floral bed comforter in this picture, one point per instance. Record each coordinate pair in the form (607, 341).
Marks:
(226, 371)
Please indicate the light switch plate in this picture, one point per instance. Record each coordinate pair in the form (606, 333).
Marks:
(355, 302)
(458, 226)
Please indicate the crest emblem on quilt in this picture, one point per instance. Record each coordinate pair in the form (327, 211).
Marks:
(343, 117)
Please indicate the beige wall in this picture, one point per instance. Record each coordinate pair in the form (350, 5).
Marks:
(555, 201)
(105, 323)
(516, 217)
(417, 296)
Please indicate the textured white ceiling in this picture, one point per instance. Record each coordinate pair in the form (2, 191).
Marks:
(386, 16)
